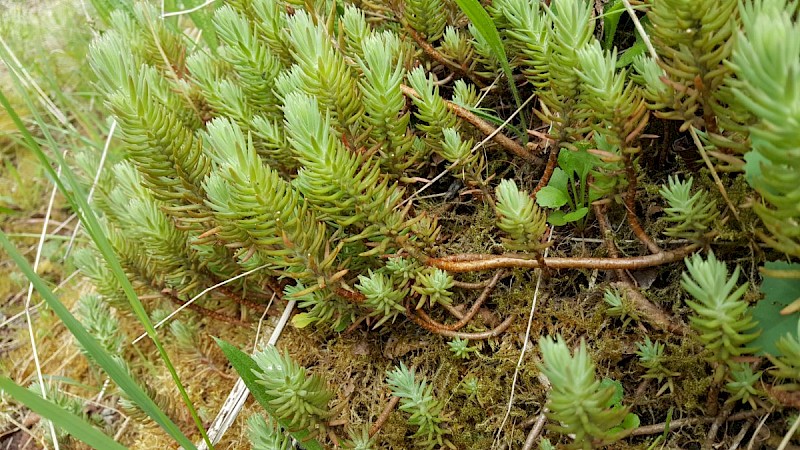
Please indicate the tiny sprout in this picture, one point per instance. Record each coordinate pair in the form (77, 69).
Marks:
(359, 439)
(460, 348)
(417, 399)
(788, 366)
(742, 384)
(470, 386)
(578, 401)
(266, 434)
(300, 400)
(465, 94)
(454, 148)
(651, 356)
(434, 285)
(619, 306)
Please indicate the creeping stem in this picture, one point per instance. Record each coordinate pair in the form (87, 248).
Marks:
(471, 262)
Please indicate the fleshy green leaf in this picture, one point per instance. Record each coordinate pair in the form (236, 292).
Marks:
(615, 399)
(626, 58)
(631, 422)
(303, 320)
(578, 162)
(559, 180)
(752, 171)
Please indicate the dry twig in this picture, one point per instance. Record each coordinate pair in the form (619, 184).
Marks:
(630, 208)
(471, 262)
(675, 424)
(384, 416)
(535, 432)
(723, 415)
(742, 433)
(648, 310)
(465, 285)
(655, 315)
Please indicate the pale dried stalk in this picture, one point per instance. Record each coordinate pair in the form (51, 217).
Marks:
(238, 395)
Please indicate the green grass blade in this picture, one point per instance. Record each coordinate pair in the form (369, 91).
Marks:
(64, 419)
(244, 366)
(76, 196)
(613, 12)
(486, 114)
(627, 57)
(94, 349)
(104, 8)
(485, 26)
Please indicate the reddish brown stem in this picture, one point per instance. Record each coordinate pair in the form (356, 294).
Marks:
(630, 208)
(507, 143)
(384, 416)
(441, 59)
(465, 285)
(602, 219)
(243, 301)
(788, 399)
(645, 307)
(355, 324)
(476, 262)
(334, 438)
(496, 331)
(552, 160)
(472, 311)
(204, 311)
(355, 297)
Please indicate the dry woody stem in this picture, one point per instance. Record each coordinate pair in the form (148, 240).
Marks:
(655, 315)
(476, 262)
(675, 424)
(387, 411)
